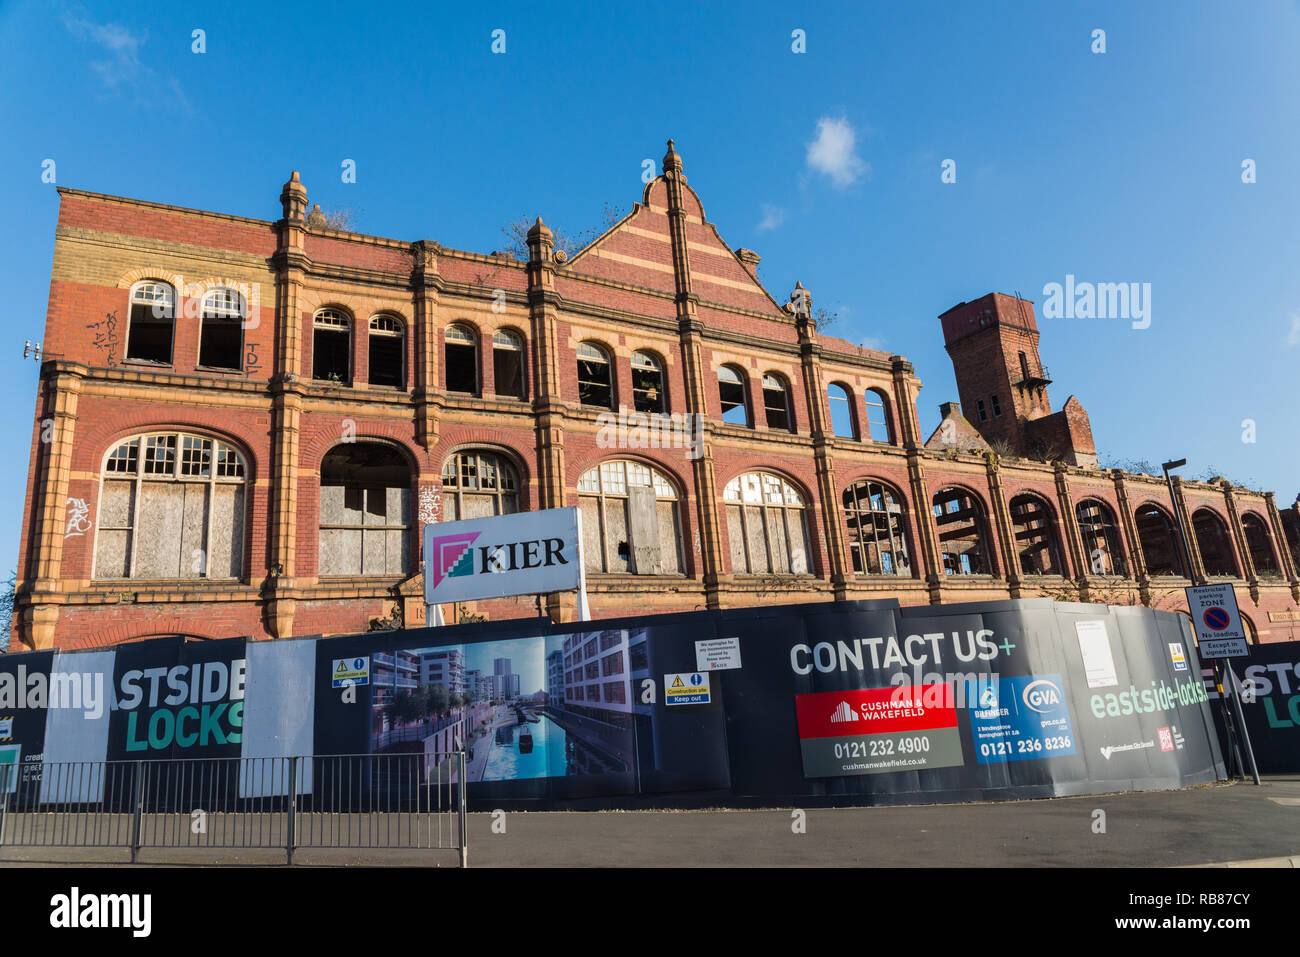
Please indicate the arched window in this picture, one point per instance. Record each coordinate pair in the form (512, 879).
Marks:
(595, 376)
(1260, 544)
(221, 335)
(766, 525)
(1100, 538)
(877, 544)
(648, 394)
(776, 403)
(1160, 548)
(331, 347)
(963, 540)
(460, 354)
(629, 520)
(153, 313)
(1031, 524)
(843, 421)
(878, 425)
(171, 505)
(365, 511)
(733, 396)
(1212, 542)
(508, 364)
(476, 484)
(387, 348)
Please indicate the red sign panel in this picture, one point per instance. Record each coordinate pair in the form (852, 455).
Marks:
(834, 714)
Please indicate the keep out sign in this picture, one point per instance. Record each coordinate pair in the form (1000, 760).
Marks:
(878, 730)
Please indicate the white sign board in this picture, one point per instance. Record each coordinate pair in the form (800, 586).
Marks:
(686, 688)
(1098, 662)
(717, 654)
(526, 553)
(1217, 622)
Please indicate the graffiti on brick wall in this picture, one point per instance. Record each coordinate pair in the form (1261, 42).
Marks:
(430, 508)
(252, 361)
(78, 517)
(106, 337)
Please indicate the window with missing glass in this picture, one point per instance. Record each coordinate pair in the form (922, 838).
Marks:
(648, 383)
(595, 376)
(152, 323)
(508, 364)
(767, 525)
(221, 333)
(776, 403)
(877, 544)
(963, 537)
(733, 396)
(1100, 538)
(171, 506)
(387, 348)
(331, 347)
(460, 358)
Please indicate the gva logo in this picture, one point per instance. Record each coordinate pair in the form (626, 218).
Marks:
(1041, 696)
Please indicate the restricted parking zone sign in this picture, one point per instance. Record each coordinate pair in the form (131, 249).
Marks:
(1219, 631)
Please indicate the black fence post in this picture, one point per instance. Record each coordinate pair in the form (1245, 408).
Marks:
(293, 808)
(139, 809)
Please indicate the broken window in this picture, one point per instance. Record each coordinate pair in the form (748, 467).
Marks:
(648, 383)
(331, 347)
(595, 376)
(1212, 542)
(365, 506)
(1261, 546)
(878, 429)
(629, 520)
(1160, 548)
(997, 409)
(1100, 538)
(508, 364)
(153, 311)
(387, 348)
(732, 393)
(963, 541)
(171, 506)
(984, 416)
(841, 406)
(477, 484)
(1031, 524)
(221, 336)
(766, 526)
(776, 403)
(461, 359)
(876, 542)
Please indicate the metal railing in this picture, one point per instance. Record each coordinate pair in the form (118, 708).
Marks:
(355, 801)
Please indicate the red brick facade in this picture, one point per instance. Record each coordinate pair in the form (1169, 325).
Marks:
(660, 282)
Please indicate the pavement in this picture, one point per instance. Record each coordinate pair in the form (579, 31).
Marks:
(1235, 824)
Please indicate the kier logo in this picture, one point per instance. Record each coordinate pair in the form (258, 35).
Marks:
(452, 557)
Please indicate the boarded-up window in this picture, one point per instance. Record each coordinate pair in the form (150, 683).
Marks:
(174, 512)
(478, 484)
(365, 511)
(629, 520)
(766, 525)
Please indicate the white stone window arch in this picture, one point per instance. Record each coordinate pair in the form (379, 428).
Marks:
(767, 525)
(171, 506)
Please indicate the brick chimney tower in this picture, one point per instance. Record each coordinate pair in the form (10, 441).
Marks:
(1002, 382)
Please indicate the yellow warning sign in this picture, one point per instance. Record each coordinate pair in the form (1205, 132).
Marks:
(688, 688)
(351, 671)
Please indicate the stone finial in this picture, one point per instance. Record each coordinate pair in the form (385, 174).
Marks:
(293, 198)
(801, 301)
(672, 162)
(749, 257)
(316, 218)
(539, 229)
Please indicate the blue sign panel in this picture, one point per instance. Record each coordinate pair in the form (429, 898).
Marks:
(1024, 719)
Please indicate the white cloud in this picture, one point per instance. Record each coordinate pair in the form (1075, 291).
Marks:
(773, 216)
(833, 152)
(873, 342)
(122, 71)
(1293, 336)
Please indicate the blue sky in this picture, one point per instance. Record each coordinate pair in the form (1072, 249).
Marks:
(1122, 166)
